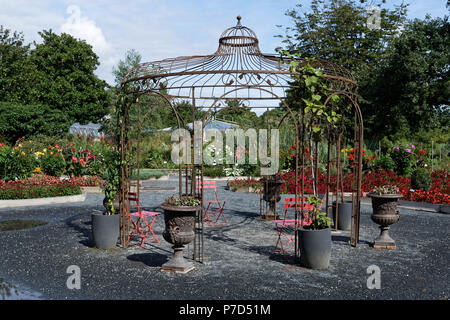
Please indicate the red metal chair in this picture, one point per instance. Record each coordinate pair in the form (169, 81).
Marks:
(286, 228)
(212, 214)
(144, 222)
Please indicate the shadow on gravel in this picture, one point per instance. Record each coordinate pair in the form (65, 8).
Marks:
(150, 259)
(83, 228)
(346, 240)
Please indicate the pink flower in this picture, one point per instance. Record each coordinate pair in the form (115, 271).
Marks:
(74, 159)
(408, 150)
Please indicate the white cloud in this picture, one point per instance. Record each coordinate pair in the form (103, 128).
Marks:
(82, 27)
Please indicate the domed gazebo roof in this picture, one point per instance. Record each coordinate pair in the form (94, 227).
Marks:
(237, 70)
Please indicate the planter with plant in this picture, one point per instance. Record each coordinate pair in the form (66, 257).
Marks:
(315, 238)
(179, 218)
(106, 225)
(385, 213)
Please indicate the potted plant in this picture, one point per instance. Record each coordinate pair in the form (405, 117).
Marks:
(106, 225)
(385, 213)
(315, 238)
(179, 218)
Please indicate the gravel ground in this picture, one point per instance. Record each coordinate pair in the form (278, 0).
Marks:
(239, 260)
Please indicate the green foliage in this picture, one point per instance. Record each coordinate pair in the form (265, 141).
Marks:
(320, 220)
(17, 120)
(384, 162)
(421, 179)
(112, 179)
(336, 30)
(186, 201)
(17, 72)
(52, 163)
(132, 60)
(410, 87)
(214, 171)
(66, 80)
(386, 189)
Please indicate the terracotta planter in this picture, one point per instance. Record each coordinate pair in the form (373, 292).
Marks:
(385, 213)
(179, 231)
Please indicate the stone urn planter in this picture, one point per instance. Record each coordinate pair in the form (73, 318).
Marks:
(271, 190)
(384, 213)
(179, 231)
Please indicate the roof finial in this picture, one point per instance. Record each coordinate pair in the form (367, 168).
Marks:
(239, 20)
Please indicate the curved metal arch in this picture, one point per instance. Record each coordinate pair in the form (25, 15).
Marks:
(357, 170)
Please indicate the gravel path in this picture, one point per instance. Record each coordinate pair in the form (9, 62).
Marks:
(239, 263)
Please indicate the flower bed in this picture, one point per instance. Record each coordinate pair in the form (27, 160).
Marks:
(439, 192)
(37, 186)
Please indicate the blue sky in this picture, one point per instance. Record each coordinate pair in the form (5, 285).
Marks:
(160, 29)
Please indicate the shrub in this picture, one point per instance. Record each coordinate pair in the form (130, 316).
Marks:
(421, 179)
(214, 171)
(384, 162)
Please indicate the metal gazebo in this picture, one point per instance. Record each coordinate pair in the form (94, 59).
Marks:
(236, 71)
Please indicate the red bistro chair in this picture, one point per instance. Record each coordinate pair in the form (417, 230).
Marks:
(144, 222)
(286, 228)
(212, 213)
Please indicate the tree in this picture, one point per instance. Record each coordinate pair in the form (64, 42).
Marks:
(338, 31)
(411, 90)
(66, 80)
(17, 72)
(18, 120)
(132, 59)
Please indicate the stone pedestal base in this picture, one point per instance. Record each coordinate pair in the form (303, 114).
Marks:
(384, 241)
(177, 264)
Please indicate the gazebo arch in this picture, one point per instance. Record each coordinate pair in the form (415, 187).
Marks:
(237, 70)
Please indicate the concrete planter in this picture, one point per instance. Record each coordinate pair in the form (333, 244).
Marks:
(344, 216)
(315, 248)
(105, 230)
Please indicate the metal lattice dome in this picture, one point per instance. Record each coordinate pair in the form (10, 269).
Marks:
(237, 70)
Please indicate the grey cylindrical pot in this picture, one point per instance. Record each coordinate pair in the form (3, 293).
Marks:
(105, 230)
(315, 248)
(344, 215)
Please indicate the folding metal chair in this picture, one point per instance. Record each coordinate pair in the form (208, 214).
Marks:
(286, 228)
(142, 226)
(211, 214)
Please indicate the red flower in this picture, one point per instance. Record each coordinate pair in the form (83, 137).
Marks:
(82, 161)
(74, 159)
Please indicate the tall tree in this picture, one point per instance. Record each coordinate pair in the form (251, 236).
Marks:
(132, 59)
(17, 72)
(66, 79)
(411, 90)
(342, 31)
